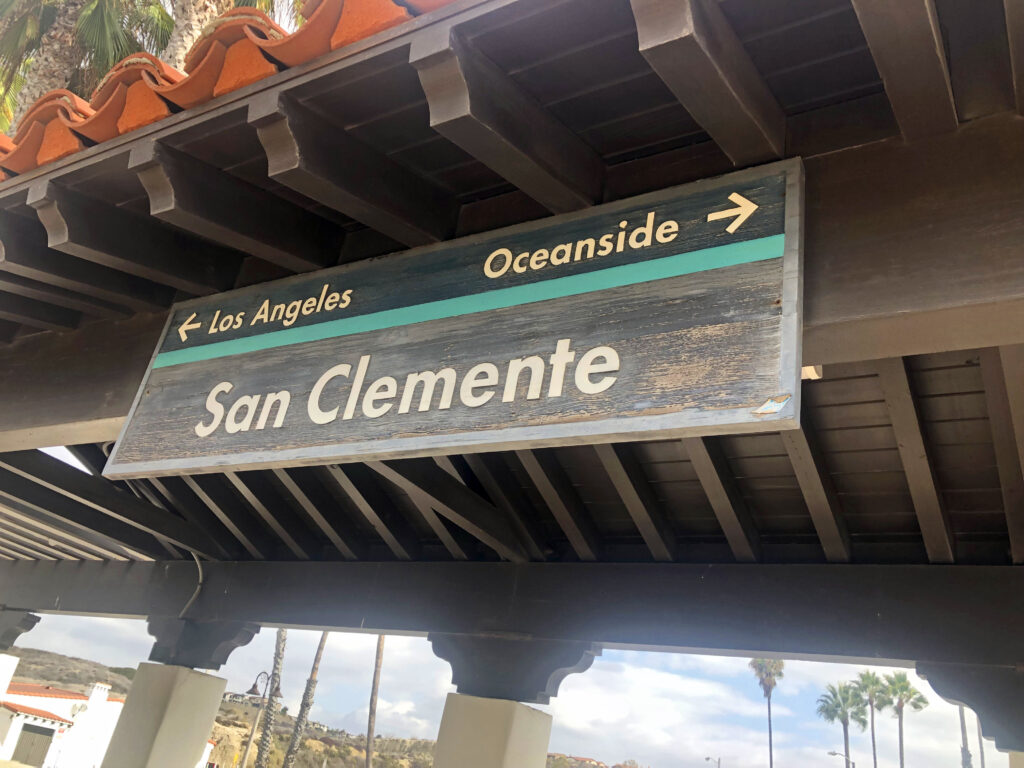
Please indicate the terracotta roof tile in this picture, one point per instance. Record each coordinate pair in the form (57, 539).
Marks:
(33, 712)
(34, 689)
(236, 49)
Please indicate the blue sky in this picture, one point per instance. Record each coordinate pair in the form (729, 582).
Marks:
(666, 710)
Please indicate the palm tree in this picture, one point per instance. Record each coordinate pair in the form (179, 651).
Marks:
(843, 703)
(374, 688)
(768, 673)
(899, 694)
(304, 707)
(267, 737)
(48, 44)
(870, 687)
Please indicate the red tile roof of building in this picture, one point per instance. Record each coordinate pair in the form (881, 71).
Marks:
(236, 49)
(34, 689)
(33, 712)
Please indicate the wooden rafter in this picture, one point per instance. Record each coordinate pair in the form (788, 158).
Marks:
(917, 463)
(500, 485)
(726, 500)
(342, 540)
(627, 476)
(561, 498)
(1002, 371)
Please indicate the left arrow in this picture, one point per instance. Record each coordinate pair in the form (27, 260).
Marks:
(187, 326)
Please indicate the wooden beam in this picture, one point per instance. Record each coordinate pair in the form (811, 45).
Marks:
(635, 491)
(917, 463)
(45, 503)
(360, 488)
(819, 492)
(712, 468)
(694, 50)
(562, 499)
(507, 495)
(36, 314)
(180, 497)
(321, 161)
(104, 548)
(59, 297)
(226, 509)
(13, 545)
(213, 204)
(112, 237)
(1002, 371)
(12, 533)
(24, 253)
(906, 43)
(242, 485)
(99, 494)
(1015, 31)
(438, 526)
(343, 541)
(455, 501)
(479, 108)
(48, 538)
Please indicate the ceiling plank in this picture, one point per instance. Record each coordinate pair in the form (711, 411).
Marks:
(110, 236)
(256, 503)
(917, 463)
(99, 494)
(323, 162)
(906, 43)
(36, 314)
(185, 502)
(358, 484)
(819, 493)
(437, 525)
(455, 501)
(1002, 371)
(505, 492)
(211, 203)
(12, 533)
(8, 331)
(562, 499)
(694, 50)
(103, 547)
(46, 537)
(24, 253)
(346, 544)
(635, 491)
(479, 108)
(730, 508)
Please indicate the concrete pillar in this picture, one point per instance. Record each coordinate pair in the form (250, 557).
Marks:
(166, 719)
(491, 733)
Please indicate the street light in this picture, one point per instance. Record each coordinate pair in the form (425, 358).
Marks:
(716, 760)
(255, 691)
(845, 757)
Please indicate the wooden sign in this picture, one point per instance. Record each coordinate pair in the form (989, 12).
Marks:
(676, 313)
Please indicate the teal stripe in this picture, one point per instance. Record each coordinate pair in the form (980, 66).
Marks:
(555, 288)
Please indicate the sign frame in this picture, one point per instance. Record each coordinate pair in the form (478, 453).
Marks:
(605, 430)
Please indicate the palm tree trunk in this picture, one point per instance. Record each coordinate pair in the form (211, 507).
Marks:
(267, 737)
(846, 743)
(190, 18)
(981, 742)
(965, 751)
(899, 720)
(304, 707)
(372, 721)
(55, 61)
(874, 750)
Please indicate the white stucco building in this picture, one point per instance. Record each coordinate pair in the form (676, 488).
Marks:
(49, 727)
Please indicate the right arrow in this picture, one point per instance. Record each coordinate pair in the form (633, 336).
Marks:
(741, 212)
(187, 326)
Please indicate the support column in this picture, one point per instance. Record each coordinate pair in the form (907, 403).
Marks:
(13, 624)
(485, 724)
(170, 708)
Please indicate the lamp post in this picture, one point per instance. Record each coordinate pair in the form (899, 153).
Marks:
(716, 760)
(845, 757)
(255, 691)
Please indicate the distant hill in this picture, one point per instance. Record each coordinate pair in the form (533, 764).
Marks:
(68, 672)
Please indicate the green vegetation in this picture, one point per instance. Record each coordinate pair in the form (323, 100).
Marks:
(768, 673)
(68, 672)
